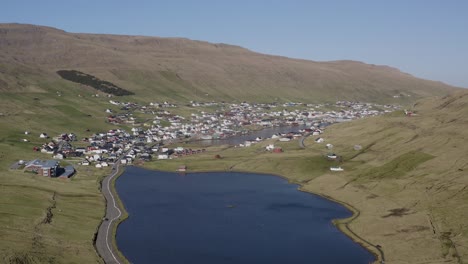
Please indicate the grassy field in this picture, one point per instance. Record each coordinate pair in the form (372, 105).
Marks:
(44, 220)
(407, 182)
(29, 236)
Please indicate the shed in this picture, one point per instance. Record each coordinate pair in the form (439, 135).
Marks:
(277, 150)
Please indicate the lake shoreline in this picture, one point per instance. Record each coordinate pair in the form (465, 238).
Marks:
(114, 225)
(341, 224)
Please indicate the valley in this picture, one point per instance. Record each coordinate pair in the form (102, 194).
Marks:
(400, 139)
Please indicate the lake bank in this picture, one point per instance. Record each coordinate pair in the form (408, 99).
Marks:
(220, 190)
(297, 165)
(115, 213)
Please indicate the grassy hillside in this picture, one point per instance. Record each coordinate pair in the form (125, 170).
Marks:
(183, 70)
(77, 205)
(408, 182)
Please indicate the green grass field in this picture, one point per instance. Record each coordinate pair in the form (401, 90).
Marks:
(77, 205)
(407, 183)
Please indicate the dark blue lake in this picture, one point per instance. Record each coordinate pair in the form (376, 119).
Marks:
(216, 218)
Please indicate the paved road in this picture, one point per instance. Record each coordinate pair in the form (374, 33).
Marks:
(105, 236)
(301, 141)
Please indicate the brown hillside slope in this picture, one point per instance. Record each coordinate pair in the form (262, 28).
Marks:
(185, 69)
(409, 181)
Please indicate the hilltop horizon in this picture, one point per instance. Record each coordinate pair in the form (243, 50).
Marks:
(180, 69)
(182, 38)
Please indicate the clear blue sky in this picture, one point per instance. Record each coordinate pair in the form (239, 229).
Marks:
(426, 38)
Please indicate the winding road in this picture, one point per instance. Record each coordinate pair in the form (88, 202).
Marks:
(105, 237)
(301, 141)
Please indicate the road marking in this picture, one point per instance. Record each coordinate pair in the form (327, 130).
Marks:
(120, 213)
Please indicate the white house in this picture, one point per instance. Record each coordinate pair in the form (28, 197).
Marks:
(163, 156)
(58, 156)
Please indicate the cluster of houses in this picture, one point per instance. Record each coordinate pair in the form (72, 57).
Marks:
(149, 136)
(229, 119)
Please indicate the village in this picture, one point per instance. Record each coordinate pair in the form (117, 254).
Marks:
(158, 130)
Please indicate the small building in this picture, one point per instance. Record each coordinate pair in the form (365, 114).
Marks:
(46, 168)
(59, 156)
(80, 149)
(336, 169)
(68, 172)
(277, 150)
(163, 156)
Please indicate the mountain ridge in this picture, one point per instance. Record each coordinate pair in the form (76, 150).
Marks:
(214, 70)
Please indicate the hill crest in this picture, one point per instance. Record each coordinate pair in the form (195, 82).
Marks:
(180, 68)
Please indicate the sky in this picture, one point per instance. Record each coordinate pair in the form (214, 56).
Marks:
(426, 38)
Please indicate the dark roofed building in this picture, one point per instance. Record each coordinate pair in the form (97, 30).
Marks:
(47, 168)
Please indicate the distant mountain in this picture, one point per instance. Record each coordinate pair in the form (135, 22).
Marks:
(182, 69)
